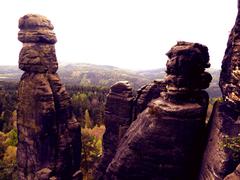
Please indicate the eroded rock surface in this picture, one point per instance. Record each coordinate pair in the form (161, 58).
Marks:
(118, 117)
(49, 142)
(147, 93)
(230, 74)
(221, 156)
(164, 142)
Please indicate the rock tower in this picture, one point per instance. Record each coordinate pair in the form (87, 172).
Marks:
(49, 139)
(146, 94)
(165, 141)
(221, 156)
(118, 117)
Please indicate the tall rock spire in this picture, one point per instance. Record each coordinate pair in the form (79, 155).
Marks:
(164, 142)
(118, 117)
(49, 142)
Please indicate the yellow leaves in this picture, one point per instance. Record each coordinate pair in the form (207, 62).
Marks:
(10, 155)
(91, 148)
(232, 143)
(88, 123)
(97, 131)
(11, 138)
(8, 152)
(8, 139)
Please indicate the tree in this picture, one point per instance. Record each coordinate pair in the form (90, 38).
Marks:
(91, 149)
(88, 123)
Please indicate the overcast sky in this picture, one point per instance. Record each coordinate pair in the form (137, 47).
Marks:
(132, 34)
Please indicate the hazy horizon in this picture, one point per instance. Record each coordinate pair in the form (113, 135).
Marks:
(128, 34)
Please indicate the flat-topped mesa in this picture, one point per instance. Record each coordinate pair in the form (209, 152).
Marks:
(185, 71)
(38, 52)
(165, 141)
(49, 137)
(118, 117)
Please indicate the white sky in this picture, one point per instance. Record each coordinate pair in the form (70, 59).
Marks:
(132, 34)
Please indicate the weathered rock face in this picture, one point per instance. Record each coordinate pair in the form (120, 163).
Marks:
(147, 93)
(164, 142)
(230, 74)
(118, 117)
(49, 142)
(221, 156)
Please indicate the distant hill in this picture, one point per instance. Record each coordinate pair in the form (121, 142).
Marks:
(100, 75)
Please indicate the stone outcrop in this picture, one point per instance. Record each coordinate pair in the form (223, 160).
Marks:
(230, 74)
(49, 141)
(146, 94)
(221, 156)
(118, 117)
(164, 142)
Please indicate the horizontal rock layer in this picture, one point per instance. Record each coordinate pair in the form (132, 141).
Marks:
(38, 58)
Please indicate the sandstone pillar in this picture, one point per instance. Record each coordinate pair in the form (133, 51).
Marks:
(164, 142)
(49, 144)
(118, 117)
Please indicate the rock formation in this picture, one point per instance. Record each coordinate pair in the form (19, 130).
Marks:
(147, 93)
(164, 142)
(49, 144)
(221, 156)
(230, 74)
(118, 117)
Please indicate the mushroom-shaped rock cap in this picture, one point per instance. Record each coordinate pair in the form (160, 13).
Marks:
(186, 58)
(121, 87)
(186, 67)
(36, 29)
(34, 21)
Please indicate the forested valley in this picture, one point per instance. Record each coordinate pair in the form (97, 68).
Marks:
(88, 106)
(87, 86)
